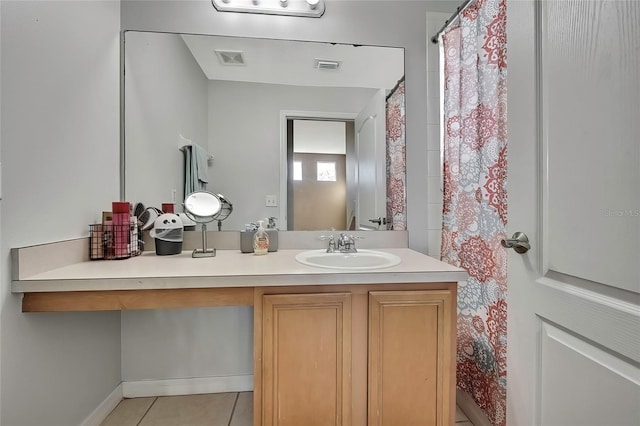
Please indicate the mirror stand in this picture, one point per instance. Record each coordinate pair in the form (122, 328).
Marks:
(203, 207)
(205, 252)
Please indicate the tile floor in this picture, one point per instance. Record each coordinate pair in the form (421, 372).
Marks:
(212, 409)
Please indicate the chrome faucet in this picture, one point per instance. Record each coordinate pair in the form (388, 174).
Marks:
(347, 243)
(343, 244)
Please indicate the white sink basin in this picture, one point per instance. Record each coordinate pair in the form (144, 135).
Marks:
(362, 260)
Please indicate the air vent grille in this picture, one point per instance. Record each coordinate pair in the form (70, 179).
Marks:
(326, 64)
(231, 57)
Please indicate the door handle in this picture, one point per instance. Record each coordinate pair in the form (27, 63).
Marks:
(379, 221)
(519, 242)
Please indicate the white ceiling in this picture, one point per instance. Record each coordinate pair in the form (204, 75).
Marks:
(292, 62)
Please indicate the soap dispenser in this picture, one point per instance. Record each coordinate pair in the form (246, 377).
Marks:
(260, 240)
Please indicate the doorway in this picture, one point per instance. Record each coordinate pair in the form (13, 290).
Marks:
(319, 160)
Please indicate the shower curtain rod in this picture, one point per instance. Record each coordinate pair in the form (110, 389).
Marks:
(460, 8)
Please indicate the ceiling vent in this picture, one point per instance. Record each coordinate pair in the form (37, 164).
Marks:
(326, 64)
(231, 57)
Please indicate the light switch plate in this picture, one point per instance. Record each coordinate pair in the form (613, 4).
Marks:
(271, 201)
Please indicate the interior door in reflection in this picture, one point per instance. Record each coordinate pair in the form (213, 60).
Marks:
(371, 170)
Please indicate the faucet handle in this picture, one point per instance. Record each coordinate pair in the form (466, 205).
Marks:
(347, 243)
(332, 242)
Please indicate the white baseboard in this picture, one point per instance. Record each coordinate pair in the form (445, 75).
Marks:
(471, 409)
(141, 388)
(102, 411)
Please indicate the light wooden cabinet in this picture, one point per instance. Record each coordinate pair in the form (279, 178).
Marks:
(362, 355)
(307, 359)
(410, 358)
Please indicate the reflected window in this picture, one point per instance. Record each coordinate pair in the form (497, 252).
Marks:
(326, 171)
(297, 170)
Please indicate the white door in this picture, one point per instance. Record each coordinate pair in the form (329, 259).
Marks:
(370, 132)
(574, 189)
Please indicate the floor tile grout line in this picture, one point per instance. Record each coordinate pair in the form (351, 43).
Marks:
(155, 398)
(233, 409)
(462, 422)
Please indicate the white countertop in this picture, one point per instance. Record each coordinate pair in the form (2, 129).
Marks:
(229, 268)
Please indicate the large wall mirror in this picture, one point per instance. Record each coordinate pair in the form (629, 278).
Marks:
(310, 133)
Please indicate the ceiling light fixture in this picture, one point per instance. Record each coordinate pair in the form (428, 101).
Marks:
(308, 8)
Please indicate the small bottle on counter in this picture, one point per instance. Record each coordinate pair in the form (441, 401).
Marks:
(260, 240)
(121, 229)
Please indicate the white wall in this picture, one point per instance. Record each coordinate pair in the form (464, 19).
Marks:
(386, 23)
(184, 343)
(166, 96)
(231, 106)
(324, 137)
(60, 109)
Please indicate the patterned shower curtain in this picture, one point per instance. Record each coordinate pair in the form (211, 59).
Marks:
(475, 197)
(396, 160)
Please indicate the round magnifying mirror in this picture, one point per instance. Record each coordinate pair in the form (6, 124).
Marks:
(202, 206)
(225, 208)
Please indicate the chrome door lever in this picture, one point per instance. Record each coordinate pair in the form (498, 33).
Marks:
(379, 221)
(519, 242)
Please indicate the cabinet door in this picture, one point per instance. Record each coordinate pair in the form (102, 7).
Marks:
(306, 359)
(411, 358)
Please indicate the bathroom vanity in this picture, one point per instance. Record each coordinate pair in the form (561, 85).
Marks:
(331, 347)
